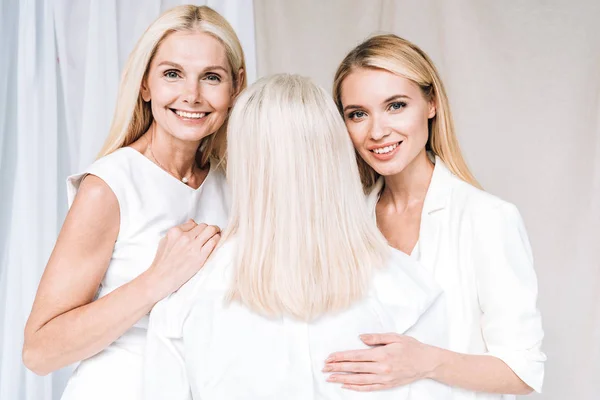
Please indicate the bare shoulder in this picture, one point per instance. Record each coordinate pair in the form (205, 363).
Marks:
(95, 194)
(94, 215)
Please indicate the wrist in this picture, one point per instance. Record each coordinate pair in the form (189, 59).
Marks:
(438, 359)
(152, 287)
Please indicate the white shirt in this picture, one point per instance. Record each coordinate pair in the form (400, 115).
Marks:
(203, 349)
(150, 202)
(476, 246)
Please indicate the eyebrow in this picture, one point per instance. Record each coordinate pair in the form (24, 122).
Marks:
(392, 98)
(208, 68)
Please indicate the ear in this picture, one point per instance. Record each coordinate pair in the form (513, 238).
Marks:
(145, 91)
(432, 110)
(240, 82)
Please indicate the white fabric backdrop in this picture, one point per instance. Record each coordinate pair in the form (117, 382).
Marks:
(60, 63)
(524, 82)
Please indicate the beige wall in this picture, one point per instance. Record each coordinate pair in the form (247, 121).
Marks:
(524, 82)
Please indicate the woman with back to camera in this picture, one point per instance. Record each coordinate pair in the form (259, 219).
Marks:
(300, 272)
(427, 204)
(159, 168)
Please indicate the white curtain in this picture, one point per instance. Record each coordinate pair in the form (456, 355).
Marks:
(523, 78)
(60, 63)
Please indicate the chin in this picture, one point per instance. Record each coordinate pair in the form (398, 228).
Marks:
(193, 136)
(389, 170)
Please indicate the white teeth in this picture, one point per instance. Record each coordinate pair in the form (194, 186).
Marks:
(189, 115)
(386, 149)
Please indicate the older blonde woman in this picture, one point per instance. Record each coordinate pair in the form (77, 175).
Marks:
(427, 204)
(299, 273)
(160, 167)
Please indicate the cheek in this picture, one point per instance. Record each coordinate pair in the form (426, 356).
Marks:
(413, 125)
(357, 132)
(163, 93)
(219, 98)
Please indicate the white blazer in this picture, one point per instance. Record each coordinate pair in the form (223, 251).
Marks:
(201, 348)
(476, 246)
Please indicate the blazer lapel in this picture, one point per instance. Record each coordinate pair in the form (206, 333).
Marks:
(432, 216)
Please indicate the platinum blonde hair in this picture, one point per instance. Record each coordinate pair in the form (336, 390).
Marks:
(401, 57)
(307, 242)
(133, 116)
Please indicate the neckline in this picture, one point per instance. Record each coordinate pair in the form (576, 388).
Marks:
(168, 175)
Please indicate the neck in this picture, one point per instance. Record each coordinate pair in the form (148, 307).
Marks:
(176, 156)
(408, 187)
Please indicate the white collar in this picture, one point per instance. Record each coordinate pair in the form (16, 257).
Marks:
(438, 193)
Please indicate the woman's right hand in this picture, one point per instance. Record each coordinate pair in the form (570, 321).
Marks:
(182, 253)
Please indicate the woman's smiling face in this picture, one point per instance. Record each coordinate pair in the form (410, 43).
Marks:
(387, 117)
(190, 86)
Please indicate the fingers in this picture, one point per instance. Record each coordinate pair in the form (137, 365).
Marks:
(202, 233)
(174, 233)
(375, 339)
(356, 367)
(197, 230)
(366, 388)
(353, 355)
(188, 225)
(209, 246)
(356, 379)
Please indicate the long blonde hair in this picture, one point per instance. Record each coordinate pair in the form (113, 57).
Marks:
(401, 57)
(133, 116)
(307, 242)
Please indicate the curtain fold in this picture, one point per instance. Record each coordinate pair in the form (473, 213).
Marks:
(31, 229)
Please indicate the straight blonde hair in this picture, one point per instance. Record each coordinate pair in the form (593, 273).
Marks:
(133, 116)
(307, 242)
(401, 57)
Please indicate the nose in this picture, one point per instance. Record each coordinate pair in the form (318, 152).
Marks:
(379, 128)
(192, 93)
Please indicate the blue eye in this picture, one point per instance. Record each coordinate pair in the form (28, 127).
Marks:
(356, 115)
(213, 78)
(397, 105)
(171, 74)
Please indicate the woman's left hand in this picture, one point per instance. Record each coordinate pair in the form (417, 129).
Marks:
(394, 360)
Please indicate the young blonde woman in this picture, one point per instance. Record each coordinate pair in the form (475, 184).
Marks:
(427, 204)
(159, 168)
(300, 271)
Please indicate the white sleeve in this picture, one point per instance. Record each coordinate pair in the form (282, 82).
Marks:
(507, 288)
(165, 374)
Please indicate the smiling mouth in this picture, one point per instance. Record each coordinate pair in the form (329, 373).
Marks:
(190, 115)
(386, 149)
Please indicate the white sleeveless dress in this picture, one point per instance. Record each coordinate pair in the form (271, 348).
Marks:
(150, 201)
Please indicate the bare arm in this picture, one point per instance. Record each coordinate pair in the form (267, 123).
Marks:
(65, 326)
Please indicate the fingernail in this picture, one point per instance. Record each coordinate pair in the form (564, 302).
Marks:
(365, 337)
(327, 369)
(329, 359)
(331, 379)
